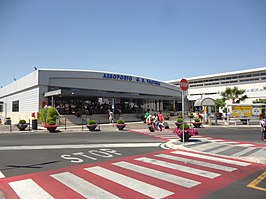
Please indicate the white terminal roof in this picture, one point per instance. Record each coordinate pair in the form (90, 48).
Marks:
(220, 74)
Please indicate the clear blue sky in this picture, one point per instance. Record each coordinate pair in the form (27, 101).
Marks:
(160, 39)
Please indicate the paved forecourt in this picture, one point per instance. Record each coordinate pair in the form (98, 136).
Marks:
(161, 174)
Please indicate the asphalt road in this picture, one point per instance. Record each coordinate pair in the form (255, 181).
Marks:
(73, 149)
(244, 134)
(28, 153)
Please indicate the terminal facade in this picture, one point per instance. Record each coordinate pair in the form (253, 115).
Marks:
(253, 81)
(80, 92)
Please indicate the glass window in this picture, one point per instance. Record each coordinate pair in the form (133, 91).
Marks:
(15, 106)
(1, 107)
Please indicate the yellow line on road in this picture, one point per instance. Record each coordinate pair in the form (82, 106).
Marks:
(255, 182)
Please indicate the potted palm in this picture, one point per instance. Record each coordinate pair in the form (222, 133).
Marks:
(48, 118)
(167, 116)
(91, 125)
(120, 124)
(197, 123)
(178, 122)
(22, 125)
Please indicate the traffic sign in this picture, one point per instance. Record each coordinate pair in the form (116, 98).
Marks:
(184, 84)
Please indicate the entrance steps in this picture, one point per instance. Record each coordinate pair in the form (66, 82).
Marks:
(99, 118)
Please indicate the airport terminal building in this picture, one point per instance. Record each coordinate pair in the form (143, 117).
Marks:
(253, 81)
(85, 92)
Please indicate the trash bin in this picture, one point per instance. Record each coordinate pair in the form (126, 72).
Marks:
(8, 121)
(34, 124)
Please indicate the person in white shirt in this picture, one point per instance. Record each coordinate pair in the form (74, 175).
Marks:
(263, 127)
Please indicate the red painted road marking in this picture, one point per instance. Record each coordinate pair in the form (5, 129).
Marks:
(133, 177)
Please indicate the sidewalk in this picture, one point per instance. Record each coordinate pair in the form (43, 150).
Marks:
(106, 127)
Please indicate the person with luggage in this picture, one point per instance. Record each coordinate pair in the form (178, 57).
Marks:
(263, 127)
(161, 119)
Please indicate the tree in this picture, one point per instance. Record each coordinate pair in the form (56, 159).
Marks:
(235, 94)
(259, 101)
(220, 103)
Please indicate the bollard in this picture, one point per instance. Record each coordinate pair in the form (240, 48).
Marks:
(65, 123)
(82, 123)
(99, 123)
(29, 126)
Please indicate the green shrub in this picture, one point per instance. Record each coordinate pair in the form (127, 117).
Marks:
(196, 119)
(22, 122)
(48, 115)
(51, 121)
(186, 126)
(52, 112)
(190, 114)
(91, 122)
(43, 115)
(179, 120)
(120, 121)
(167, 114)
(179, 115)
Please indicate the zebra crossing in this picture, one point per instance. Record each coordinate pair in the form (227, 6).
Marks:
(214, 146)
(163, 174)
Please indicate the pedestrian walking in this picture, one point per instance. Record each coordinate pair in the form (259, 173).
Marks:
(146, 116)
(161, 119)
(263, 127)
(111, 117)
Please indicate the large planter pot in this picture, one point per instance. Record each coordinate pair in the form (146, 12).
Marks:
(167, 117)
(91, 127)
(120, 126)
(188, 133)
(197, 124)
(178, 124)
(51, 128)
(187, 136)
(22, 127)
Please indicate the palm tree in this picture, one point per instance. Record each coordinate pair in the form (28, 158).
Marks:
(235, 94)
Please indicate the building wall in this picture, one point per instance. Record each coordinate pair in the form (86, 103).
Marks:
(28, 103)
(253, 81)
(97, 81)
(30, 89)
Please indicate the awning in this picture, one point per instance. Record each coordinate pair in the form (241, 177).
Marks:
(204, 102)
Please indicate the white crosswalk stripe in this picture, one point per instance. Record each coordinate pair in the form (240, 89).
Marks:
(259, 153)
(243, 151)
(178, 167)
(218, 159)
(28, 189)
(81, 186)
(152, 169)
(184, 182)
(204, 147)
(139, 186)
(196, 162)
(222, 149)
